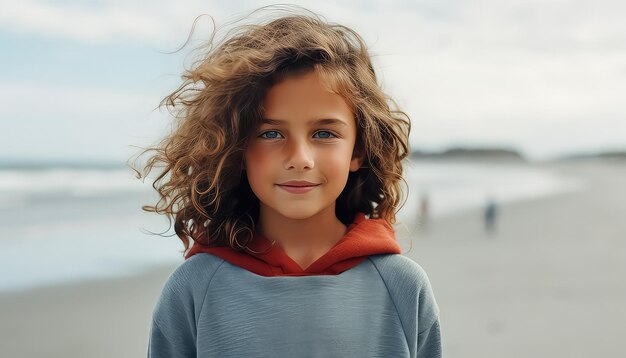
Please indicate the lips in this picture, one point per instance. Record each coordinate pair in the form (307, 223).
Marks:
(298, 187)
(298, 183)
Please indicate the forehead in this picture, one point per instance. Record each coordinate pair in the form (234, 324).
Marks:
(305, 97)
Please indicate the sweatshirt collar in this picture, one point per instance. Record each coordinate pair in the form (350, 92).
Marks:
(363, 238)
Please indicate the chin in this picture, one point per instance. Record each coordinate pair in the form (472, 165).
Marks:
(299, 214)
(300, 211)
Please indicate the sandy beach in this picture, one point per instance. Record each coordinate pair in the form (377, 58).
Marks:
(550, 282)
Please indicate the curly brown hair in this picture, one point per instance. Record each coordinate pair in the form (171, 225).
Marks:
(219, 105)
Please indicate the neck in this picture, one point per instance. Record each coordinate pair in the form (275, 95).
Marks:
(304, 240)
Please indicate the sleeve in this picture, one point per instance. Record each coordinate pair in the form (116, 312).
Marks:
(174, 319)
(173, 330)
(414, 299)
(163, 344)
(429, 341)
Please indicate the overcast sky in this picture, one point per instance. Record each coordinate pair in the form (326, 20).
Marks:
(79, 80)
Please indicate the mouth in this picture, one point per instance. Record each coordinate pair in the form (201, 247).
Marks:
(297, 184)
(297, 187)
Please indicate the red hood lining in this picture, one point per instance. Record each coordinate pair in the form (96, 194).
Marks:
(363, 238)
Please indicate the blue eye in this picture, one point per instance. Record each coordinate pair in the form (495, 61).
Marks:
(270, 135)
(325, 134)
(277, 135)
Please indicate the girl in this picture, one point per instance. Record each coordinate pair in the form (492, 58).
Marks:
(284, 171)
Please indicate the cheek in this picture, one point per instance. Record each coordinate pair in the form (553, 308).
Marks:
(257, 161)
(337, 160)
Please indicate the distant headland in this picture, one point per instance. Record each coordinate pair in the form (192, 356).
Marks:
(512, 155)
(459, 153)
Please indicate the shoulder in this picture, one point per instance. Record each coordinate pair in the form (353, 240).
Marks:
(196, 272)
(400, 269)
(189, 282)
(198, 266)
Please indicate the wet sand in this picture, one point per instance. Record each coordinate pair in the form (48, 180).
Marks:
(100, 318)
(551, 282)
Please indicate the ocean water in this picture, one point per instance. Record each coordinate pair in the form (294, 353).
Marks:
(64, 225)
(457, 186)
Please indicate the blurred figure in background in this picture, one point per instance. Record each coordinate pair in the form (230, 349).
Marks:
(490, 215)
(423, 212)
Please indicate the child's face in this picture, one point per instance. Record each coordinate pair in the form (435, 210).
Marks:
(297, 146)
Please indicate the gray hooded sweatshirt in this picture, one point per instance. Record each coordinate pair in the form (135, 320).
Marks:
(383, 307)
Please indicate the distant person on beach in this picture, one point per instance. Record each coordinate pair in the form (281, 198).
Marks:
(283, 173)
(490, 216)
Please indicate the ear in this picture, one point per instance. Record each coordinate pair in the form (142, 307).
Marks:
(357, 161)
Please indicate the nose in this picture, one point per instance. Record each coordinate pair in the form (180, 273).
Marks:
(298, 155)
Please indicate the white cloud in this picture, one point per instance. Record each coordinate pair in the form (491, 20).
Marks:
(112, 21)
(117, 21)
(82, 23)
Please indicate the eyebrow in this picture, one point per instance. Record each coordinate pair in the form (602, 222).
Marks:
(322, 121)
